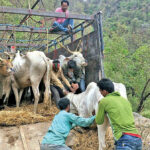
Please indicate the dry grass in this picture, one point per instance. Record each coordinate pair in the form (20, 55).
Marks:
(87, 140)
(13, 116)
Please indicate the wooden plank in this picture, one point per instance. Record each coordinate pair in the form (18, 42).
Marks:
(23, 11)
(10, 139)
(23, 138)
(27, 29)
(21, 44)
(1, 87)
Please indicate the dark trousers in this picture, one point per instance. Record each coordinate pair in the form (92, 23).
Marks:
(57, 93)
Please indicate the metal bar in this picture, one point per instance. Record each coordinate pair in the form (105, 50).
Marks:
(23, 11)
(99, 44)
(101, 33)
(27, 29)
(21, 22)
(67, 36)
(21, 44)
(73, 28)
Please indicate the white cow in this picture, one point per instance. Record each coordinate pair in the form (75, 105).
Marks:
(29, 70)
(75, 55)
(85, 103)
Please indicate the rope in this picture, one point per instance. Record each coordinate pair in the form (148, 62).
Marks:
(55, 51)
(29, 4)
(47, 40)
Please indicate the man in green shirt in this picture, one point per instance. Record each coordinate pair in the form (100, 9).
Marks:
(120, 115)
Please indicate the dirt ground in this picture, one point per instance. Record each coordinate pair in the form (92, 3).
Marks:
(11, 116)
(87, 139)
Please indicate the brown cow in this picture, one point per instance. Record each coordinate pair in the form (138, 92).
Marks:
(5, 73)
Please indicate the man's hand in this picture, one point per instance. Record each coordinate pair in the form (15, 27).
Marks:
(93, 113)
(75, 86)
(72, 90)
(65, 92)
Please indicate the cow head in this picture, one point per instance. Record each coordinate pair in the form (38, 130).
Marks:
(5, 67)
(76, 55)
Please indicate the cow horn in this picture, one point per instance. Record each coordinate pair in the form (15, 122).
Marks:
(78, 45)
(80, 50)
(69, 50)
(66, 48)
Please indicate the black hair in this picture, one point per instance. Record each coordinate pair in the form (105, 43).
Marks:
(106, 84)
(72, 64)
(63, 103)
(65, 1)
(56, 61)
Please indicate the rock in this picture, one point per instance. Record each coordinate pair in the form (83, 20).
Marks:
(71, 139)
(142, 124)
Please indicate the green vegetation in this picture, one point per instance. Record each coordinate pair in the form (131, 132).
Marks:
(126, 25)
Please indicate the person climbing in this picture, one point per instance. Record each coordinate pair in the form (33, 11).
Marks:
(61, 125)
(120, 115)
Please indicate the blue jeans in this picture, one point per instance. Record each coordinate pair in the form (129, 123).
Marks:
(128, 142)
(64, 25)
(82, 85)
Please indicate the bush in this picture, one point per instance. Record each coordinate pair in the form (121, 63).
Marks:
(146, 113)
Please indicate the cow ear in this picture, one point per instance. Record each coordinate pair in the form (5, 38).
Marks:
(84, 64)
(67, 58)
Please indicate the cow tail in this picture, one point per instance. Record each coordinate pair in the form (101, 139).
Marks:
(47, 68)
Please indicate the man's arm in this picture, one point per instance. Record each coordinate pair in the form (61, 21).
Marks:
(64, 79)
(100, 114)
(56, 81)
(83, 122)
(78, 74)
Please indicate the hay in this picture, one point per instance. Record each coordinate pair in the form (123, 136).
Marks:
(8, 118)
(88, 140)
(24, 115)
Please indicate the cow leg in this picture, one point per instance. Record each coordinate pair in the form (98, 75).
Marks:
(35, 88)
(15, 90)
(47, 93)
(101, 133)
(7, 96)
(20, 94)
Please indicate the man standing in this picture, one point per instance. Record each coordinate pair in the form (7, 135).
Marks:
(61, 125)
(120, 115)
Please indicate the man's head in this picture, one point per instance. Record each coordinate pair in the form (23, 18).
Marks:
(106, 86)
(72, 64)
(56, 65)
(64, 5)
(64, 104)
